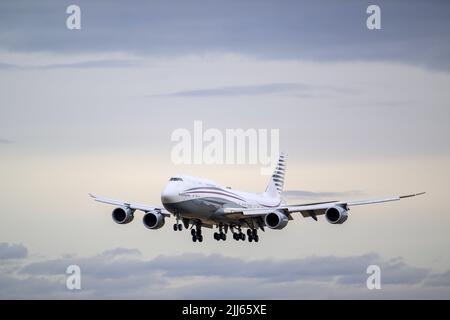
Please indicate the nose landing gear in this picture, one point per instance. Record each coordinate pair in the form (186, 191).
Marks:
(177, 226)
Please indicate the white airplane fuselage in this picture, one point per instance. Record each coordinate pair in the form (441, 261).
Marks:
(197, 198)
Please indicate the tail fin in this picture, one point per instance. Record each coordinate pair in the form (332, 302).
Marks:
(276, 182)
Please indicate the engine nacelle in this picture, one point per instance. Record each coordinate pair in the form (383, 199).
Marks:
(336, 215)
(122, 215)
(276, 220)
(153, 220)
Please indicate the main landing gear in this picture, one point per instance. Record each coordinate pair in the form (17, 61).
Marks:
(252, 235)
(197, 234)
(239, 235)
(220, 235)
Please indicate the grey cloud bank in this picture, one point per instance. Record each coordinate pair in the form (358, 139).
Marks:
(12, 251)
(123, 273)
(94, 64)
(4, 141)
(412, 31)
(263, 89)
(291, 89)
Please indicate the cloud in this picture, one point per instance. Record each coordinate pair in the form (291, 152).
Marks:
(12, 251)
(121, 252)
(439, 280)
(5, 141)
(293, 89)
(124, 273)
(348, 270)
(295, 29)
(88, 64)
(7, 66)
(243, 90)
(303, 194)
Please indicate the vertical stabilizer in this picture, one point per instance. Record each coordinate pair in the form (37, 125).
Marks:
(276, 182)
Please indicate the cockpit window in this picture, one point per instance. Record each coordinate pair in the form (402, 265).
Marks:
(175, 179)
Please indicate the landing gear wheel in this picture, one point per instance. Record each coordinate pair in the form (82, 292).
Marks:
(250, 238)
(216, 236)
(223, 236)
(180, 227)
(200, 238)
(236, 236)
(256, 238)
(242, 236)
(254, 233)
(175, 228)
(193, 233)
(194, 238)
(249, 232)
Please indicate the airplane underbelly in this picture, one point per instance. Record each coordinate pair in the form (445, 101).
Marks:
(198, 208)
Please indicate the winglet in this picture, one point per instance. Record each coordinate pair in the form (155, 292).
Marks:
(92, 195)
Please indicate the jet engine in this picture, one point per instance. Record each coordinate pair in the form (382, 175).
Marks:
(153, 220)
(276, 220)
(122, 215)
(336, 215)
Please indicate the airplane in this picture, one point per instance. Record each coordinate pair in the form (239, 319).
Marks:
(199, 202)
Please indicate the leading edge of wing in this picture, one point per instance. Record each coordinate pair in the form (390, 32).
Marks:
(373, 201)
(305, 209)
(134, 206)
(322, 206)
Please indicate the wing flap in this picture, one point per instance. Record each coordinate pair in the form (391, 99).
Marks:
(246, 212)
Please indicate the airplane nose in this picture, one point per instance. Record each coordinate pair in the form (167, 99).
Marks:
(167, 194)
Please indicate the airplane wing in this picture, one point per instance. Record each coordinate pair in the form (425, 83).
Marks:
(314, 209)
(131, 205)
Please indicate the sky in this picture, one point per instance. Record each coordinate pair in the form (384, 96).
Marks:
(361, 113)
